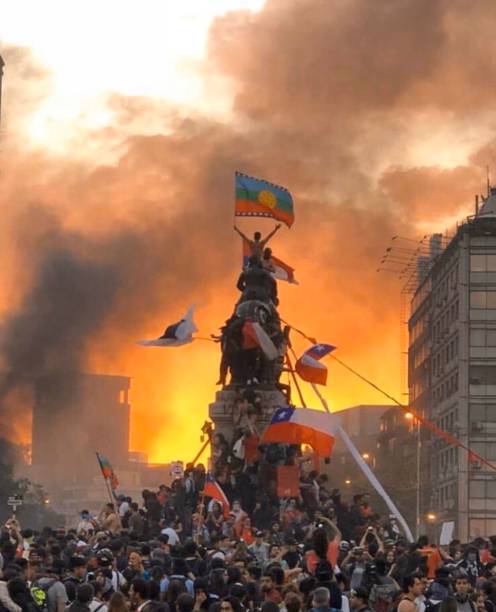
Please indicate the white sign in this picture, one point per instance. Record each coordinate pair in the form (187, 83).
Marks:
(13, 502)
(447, 530)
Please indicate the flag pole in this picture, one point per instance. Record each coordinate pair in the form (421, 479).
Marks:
(107, 485)
(109, 490)
(362, 464)
(295, 380)
(206, 429)
(201, 451)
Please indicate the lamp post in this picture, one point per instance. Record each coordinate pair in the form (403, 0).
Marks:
(410, 417)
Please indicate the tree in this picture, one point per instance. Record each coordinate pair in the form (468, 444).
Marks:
(35, 511)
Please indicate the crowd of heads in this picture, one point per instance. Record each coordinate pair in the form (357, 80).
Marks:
(177, 551)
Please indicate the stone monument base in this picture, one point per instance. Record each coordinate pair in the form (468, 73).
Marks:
(222, 411)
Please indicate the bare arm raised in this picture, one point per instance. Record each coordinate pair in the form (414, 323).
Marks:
(236, 229)
(269, 236)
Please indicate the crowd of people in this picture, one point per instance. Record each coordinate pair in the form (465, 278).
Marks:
(178, 551)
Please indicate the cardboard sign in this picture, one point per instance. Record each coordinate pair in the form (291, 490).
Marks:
(447, 530)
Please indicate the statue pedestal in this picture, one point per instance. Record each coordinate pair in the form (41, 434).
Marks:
(221, 411)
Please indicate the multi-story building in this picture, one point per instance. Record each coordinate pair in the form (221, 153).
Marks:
(70, 427)
(452, 374)
(363, 424)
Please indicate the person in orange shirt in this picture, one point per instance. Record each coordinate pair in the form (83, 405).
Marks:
(432, 554)
(245, 531)
(322, 548)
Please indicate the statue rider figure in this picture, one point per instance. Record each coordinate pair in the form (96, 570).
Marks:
(255, 283)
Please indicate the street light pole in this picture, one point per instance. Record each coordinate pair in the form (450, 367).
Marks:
(417, 522)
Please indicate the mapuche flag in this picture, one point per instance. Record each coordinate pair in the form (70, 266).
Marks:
(107, 471)
(309, 367)
(291, 425)
(258, 198)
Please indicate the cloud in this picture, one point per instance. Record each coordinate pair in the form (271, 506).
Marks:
(324, 99)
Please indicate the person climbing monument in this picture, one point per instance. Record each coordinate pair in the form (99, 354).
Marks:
(255, 283)
(267, 261)
(257, 245)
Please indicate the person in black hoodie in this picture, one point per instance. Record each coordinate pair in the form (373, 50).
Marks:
(84, 596)
(325, 578)
(440, 589)
(21, 595)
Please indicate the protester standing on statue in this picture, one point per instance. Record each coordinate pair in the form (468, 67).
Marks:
(257, 245)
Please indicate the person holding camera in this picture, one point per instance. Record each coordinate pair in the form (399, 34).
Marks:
(354, 565)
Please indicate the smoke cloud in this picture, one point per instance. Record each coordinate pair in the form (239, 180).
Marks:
(377, 116)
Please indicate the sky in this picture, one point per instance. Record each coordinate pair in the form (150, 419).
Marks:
(122, 126)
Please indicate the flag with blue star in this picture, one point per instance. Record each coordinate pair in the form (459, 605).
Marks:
(292, 425)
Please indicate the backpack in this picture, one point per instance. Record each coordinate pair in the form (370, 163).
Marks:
(156, 606)
(430, 606)
(39, 593)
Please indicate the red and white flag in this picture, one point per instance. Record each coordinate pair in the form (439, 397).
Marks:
(254, 336)
(302, 426)
(309, 366)
(213, 489)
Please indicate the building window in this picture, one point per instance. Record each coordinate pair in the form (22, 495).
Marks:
(477, 488)
(482, 380)
(482, 299)
(483, 263)
(477, 263)
(477, 337)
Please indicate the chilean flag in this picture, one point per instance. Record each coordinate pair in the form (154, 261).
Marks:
(282, 270)
(255, 336)
(176, 334)
(309, 367)
(317, 351)
(291, 425)
(213, 489)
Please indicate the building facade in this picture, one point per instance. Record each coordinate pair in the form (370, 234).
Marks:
(452, 374)
(69, 427)
(363, 424)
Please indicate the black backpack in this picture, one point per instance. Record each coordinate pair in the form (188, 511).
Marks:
(39, 594)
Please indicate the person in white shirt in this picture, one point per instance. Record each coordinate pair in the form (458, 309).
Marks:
(97, 605)
(86, 524)
(172, 535)
(123, 506)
